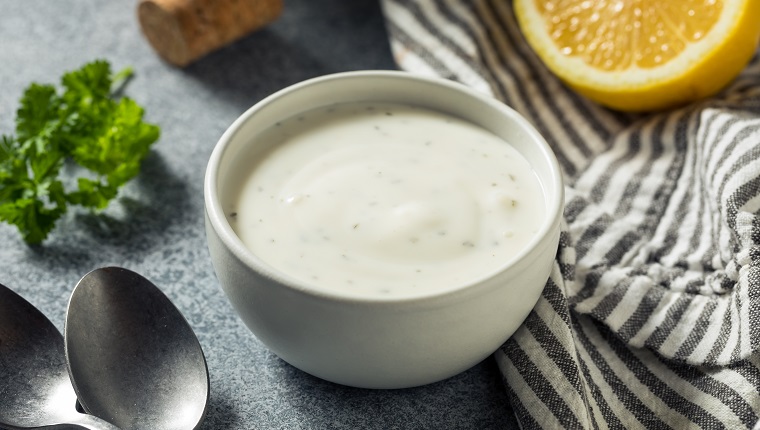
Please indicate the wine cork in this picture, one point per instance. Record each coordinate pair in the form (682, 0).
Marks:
(182, 31)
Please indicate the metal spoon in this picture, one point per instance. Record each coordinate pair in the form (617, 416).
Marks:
(133, 358)
(35, 390)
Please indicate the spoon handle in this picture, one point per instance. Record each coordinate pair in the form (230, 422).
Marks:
(88, 422)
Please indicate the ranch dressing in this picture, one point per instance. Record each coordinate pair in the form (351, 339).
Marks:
(385, 200)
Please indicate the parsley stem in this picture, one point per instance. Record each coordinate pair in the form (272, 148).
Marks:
(120, 80)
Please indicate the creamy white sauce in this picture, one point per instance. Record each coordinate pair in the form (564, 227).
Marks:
(385, 200)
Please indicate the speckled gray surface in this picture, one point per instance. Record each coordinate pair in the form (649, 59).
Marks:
(156, 225)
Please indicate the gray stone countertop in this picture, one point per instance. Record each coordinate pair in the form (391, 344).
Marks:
(155, 226)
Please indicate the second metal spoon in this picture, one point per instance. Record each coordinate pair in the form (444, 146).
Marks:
(133, 358)
(35, 390)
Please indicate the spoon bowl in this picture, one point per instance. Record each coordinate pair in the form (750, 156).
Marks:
(34, 383)
(133, 358)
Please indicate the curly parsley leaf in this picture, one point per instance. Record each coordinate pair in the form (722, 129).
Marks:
(104, 135)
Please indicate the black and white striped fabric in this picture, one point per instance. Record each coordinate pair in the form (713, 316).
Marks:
(651, 317)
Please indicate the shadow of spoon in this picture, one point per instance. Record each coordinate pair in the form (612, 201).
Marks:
(35, 390)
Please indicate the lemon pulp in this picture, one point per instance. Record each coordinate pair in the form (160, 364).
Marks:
(642, 54)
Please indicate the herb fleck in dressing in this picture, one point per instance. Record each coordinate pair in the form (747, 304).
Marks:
(386, 200)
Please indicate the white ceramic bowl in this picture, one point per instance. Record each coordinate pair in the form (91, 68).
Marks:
(370, 342)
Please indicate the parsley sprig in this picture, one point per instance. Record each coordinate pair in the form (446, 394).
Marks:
(84, 121)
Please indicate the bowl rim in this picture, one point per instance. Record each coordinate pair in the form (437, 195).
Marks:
(230, 240)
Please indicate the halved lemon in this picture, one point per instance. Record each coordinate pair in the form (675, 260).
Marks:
(642, 55)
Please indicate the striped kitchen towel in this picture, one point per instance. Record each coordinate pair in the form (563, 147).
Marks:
(651, 317)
